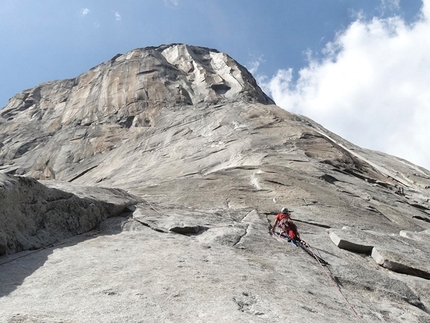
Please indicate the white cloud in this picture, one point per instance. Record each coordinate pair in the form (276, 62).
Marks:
(117, 16)
(253, 65)
(371, 87)
(171, 3)
(390, 4)
(84, 12)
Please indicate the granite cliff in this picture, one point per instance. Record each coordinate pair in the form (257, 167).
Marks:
(158, 174)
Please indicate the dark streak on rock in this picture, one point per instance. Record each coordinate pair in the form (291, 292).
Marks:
(315, 224)
(82, 173)
(375, 210)
(421, 218)
(149, 226)
(329, 179)
(240, 238)
(403, 269)
(189, 230)
(276, 182)
(147, 72)
(419, 206)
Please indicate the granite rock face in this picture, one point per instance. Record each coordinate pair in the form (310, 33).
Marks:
(208, 160)
(35, 216)
(68, 122)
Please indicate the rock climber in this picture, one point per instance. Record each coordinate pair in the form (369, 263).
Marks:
(285, 227)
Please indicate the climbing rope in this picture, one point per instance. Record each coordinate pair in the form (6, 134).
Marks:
(329, 274)
(29, 253)
(324, 265)
(26, 255)
(306, 247)
(153, 208)
(327, 271)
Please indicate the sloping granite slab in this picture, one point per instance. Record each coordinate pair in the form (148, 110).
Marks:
(406, 253)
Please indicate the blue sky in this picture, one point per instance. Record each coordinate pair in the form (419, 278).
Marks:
(291, 46)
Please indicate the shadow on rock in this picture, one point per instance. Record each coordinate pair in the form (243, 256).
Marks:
(37, 218)
(16, 268)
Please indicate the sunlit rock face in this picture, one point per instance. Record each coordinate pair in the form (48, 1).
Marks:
(68, 122)
(185, 135)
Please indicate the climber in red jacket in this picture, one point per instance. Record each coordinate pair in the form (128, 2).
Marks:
(285, 227)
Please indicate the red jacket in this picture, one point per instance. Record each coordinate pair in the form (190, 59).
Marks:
(286, 225)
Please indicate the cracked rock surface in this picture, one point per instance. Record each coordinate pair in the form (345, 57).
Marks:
(34, 215)
(187, 162)
(400, 254)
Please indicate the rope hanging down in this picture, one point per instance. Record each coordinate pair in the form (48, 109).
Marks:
(306, 247)
(324, 265)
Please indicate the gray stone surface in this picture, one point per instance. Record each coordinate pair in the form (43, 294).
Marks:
(33, 216)
(211, 160)
(409, 255)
